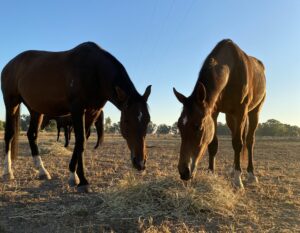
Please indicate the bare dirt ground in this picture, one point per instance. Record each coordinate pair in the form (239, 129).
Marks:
(123, 200)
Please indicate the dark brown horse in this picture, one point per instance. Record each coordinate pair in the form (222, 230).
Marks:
(65, 122)
(231, 82)
(78, 82)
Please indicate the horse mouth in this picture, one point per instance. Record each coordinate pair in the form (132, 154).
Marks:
(187, 176)
(138, 164)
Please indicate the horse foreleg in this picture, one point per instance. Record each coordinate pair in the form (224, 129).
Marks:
(237, 143)
(213, 146)
(100, 129)
(66, 132)
(76, 165)
(32, 134)
(58, 131)
(250, 140)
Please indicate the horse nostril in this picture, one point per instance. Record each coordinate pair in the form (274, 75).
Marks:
(185, 174)
(139, 165)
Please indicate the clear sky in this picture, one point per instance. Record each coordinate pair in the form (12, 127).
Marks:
(164, 42)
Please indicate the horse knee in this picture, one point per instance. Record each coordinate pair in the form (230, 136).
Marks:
(31, 135)
(237, 144)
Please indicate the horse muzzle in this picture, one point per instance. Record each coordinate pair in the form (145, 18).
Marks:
(139, 164)
(186, 174)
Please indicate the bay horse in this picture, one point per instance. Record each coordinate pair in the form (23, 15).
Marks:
(78, 82)
(231, 82)
(65, 122)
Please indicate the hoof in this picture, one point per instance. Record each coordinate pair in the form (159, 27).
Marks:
(9, 176)
(238, 185)
(252, 179)
(237, 181)
(45, 177)
(73, 180)
(83, 189)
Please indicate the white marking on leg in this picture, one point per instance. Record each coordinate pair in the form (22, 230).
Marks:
(7, 166)
(185, 120)
(140, 116)
(238, 179)
(252, 178)
(38, 163)
(73, 179)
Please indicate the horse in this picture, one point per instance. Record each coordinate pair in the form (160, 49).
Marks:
(230, 82)
(65, 122)
(78, 82)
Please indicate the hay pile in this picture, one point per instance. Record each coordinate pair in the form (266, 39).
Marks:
(54, 148)
(166, 197)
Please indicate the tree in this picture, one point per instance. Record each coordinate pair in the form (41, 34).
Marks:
(115, 128)
(174, 129)
(24, 122)
(2, 125)
(107, 124)
(275, 128)
(163, 129)
(51, 127)
(151, 128)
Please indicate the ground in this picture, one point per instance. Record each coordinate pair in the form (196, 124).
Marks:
(124, 200)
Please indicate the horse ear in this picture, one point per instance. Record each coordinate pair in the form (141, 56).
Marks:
(122, 96)
(147, 93)
(201, 93)
(179, 96)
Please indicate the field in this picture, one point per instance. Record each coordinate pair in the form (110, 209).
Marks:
(124, 200)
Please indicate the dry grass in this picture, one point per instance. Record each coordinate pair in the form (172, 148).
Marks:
(123, 200)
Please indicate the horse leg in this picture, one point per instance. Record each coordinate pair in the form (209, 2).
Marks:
(250, 140)
(237, 143)
(58, 131)
(76, 164)
(213, 146)
(231, 125)
(32, 135)
(11, 139)
(66, 132)
(100, 129)
(70, 131)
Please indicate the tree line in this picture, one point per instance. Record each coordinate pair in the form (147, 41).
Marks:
(271, 127)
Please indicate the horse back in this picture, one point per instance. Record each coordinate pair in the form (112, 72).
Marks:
(56, 78)
(243, 83)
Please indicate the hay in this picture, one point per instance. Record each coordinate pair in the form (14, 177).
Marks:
(54, 148)
(167, 198)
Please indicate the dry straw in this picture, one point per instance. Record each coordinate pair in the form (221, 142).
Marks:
(166, 197)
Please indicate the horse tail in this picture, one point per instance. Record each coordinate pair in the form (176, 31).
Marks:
(100, 129)
(16, 128)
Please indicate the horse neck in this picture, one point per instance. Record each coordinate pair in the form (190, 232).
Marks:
(122, 81)
(213, 87)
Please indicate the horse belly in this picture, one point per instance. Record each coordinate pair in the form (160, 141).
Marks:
(46, 99)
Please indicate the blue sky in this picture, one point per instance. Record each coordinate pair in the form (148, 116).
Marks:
(164, 42)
